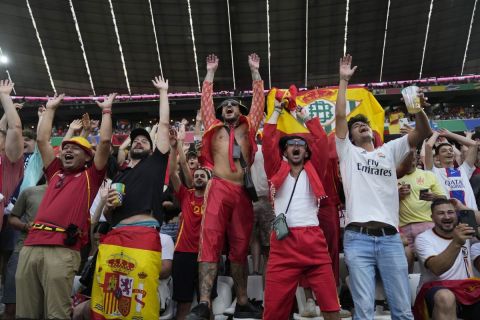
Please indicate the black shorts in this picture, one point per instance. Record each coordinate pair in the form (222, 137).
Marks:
(185, 277)
(467, 312)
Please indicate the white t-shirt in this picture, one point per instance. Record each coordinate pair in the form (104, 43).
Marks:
(370, 180)
(259, 176)
(303, 208)
(429, 244)
(167, 246)
(456, 183)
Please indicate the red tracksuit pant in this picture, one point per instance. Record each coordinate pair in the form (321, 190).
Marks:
(302, 253)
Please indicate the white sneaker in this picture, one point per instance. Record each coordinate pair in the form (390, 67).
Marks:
(309, 311)
(230, 310)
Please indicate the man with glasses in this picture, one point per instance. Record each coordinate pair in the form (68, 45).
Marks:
(295, 167)
(229, 137)
(371, 239)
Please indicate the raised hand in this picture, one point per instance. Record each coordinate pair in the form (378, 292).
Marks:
(6, 87)
(212, 63)
(76, 125)
(172, 137)
(423, 100)
(87, 126)
(345, 68)
(107, 103)
(444, 132)
(40, 111)
(54, 102)
(18, 106)
(199, 116)
(160, 83)
(302, 113)
(462, 233)
(181, 133)
(254, 61)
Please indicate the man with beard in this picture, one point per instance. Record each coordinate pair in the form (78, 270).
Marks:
(296, 190)
(131, 282)
(185, 265)
(445, 253)
(228, 208)
(50, 257)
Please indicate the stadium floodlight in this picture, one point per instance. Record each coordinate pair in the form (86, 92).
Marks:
(3, 59)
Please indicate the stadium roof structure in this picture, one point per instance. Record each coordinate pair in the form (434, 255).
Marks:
(92, 47)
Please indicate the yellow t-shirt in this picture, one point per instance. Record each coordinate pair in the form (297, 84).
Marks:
(412, 209)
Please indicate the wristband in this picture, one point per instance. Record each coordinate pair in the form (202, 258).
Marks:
(105, 111)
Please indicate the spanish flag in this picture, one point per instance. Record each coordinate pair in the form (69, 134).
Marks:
(321, 103)
(127, 275)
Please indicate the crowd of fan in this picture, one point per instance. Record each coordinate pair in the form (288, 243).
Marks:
(86, 213)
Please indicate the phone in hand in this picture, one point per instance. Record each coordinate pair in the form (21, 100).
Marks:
(422, 193)
(468, 217)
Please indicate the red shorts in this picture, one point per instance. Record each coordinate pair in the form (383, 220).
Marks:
(302, 253)
(228, 210)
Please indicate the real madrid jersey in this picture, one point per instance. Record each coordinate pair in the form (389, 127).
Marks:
(370, 180)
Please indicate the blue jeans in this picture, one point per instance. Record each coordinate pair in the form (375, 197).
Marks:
(362, 254)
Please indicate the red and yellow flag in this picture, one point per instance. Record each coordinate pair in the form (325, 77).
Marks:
(127, 275)
(321, 103)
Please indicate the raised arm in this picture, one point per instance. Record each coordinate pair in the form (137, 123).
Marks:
(44, 130)
(271, 137)
(103, 147)
(3, 132)
(429, 145)
(197, 134)
(13, 138)
(173, 165)
(182, 159)
(258, 99)
(122, 155)
(422, 126)
(318, 144)
(345, 72)
(161, 140)
(207, 108)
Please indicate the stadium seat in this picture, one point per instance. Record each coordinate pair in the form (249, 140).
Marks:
(255, 288)
(413, 280)
(166, 302)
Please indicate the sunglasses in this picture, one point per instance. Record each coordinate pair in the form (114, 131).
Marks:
(296, 142)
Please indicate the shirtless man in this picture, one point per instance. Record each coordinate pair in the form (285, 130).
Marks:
(228, 208)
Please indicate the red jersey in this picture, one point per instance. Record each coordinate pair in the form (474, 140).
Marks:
(191, 222)
(67, 200)
(11, 173)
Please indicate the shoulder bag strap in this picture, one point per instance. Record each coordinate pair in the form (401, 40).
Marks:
(293, 191)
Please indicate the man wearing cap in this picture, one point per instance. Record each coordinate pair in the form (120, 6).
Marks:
(50, 257)
(185, 264)
(371, 239)
(229, 135)
(129, 257)
(296, 191)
